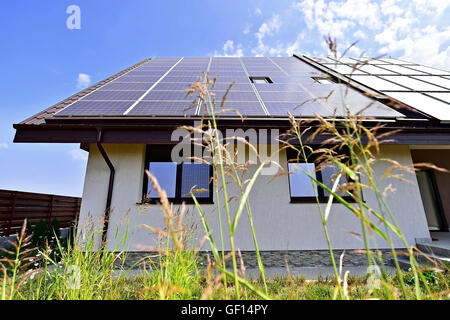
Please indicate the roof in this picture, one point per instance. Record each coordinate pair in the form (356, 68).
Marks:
(423, 88)
(151, 94)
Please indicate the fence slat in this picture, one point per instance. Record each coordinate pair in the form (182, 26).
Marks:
(11, 216)
(15, 206)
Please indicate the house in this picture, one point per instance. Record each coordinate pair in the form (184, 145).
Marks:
(126, 123)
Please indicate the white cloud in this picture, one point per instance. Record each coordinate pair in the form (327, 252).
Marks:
(83, 80)
(258, 11)
(359, 34)
(411, 32)
(230, 50)
(3, 145)
(405, 29)
(337, 17)
(268, 28)
(78, 154)
(247, 28)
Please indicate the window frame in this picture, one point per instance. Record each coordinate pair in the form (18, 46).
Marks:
(161, 153)
(322, 198)
(266, 79)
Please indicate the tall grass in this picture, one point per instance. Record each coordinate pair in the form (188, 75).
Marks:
(225, 166)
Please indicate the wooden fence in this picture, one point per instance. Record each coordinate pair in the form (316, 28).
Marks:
(15, 206)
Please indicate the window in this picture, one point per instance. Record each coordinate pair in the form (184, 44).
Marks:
(260, 80)
(431, 200)
(302, 188)
(300, 184)
(176, 179)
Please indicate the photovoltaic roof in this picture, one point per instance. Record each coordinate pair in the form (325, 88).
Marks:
(422, 88)
(158, 87)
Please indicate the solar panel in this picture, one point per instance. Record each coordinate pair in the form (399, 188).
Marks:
(430, 70)
(297, 97)
(226, 65)
(378, 83)
(172, 86)
(338, 98)
(127, 86)
(344, 69)
(152, 68)
(375, 70)
(231, 108)
(395, 61)
(190, 72)
(137, 79)
(185, 73)
(266, 74)
(296, 109)
(428, 105)
(403, 70)
(444, 96)
(168, 96)
(114, 95)
(236, 96)
(264, 70)
(303, 80)
(266, 63)
(278, 87)
(227, 74)
(163, 108)
(90, 108)
(440, 81)
(237, 67)
(146, 73)
(412, 83)
(234, 87)
(232, 79)
(190, 79)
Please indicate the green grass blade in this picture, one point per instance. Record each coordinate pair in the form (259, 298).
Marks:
(243, 199)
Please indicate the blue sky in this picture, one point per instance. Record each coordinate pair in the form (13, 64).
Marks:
(44, 62)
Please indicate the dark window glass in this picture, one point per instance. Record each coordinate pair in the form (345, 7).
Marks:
(330, 173)
(197, 176)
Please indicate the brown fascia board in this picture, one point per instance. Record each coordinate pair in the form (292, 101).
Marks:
(41, 117)
(159, 131)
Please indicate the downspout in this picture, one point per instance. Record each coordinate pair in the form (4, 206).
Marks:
(110, 187)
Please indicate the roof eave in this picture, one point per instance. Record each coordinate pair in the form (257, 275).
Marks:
(160, 130)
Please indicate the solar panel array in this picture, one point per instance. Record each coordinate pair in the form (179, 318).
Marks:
(423, 88)
(158, 88)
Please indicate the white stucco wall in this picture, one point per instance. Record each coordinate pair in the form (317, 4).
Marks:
(279, 224)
